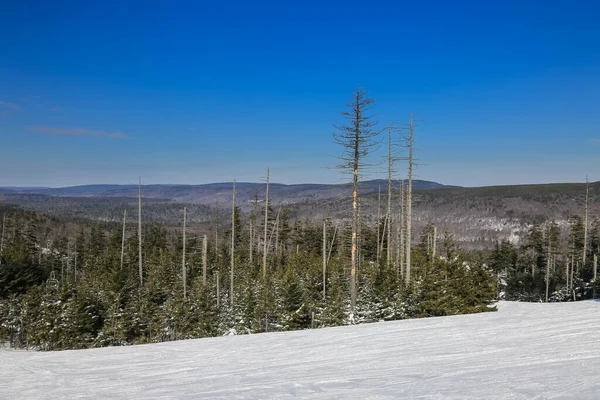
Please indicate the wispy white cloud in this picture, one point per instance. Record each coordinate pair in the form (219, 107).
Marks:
(9, 106)
(49, 130)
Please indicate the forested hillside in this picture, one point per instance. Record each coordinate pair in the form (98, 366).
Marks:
(476, 217)
(64, 284)
(73, 291)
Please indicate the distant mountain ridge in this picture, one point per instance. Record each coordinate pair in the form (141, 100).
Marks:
(477, 216)
(221, 192)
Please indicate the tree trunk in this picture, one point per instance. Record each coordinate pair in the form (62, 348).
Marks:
(567, 274)
(123, 238)
(232, 266)
(277, 231)
(251, 243)
(332, 242)
(389, 204)
(218, 291)
(385, 226)
(378, 224)
(204, 259)
(140, 231)
(595, 275)
(265, 249)
(585, 227)
(2, 237)
(548, 275)
(324, 257)
(433, 252)
(400, 252)
(183, 268)
(409, 199)
(217, 221)
(354, 243)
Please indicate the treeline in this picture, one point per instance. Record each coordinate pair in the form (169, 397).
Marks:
(79, 292)
(550, 264)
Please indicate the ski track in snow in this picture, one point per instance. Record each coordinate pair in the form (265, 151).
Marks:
(523, 351)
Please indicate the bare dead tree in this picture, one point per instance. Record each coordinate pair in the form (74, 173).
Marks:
(250, 243)
(390, 163)
(400, 231)
(274, 229)
(358, 247)
(217, 221)
(548, 271)
(595, 275)
(183, 267)
(204, 258)
(357, 138)
(277, 231)
(324, 257)
(585, 226)
(378, 223)
(409, 145)
(232, 241)
(572, 277)
(123, 238)
(265, 249)
(572, 271)
(68, 255)
(332, 243)
(383, 236)
(434, 244)
(140, 231)
(567, 276)
(2, 237)
(74, 268)
(218, 291)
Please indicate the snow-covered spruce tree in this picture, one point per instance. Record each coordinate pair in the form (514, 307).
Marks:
(455, 284)
(200, 316)
(293, 313)
(11, 327)
(334, 310)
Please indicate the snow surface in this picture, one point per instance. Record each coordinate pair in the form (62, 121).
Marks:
(523, 351)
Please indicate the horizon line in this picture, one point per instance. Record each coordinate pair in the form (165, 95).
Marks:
(35, 187)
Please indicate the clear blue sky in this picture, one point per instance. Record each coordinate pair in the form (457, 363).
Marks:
(197, 92)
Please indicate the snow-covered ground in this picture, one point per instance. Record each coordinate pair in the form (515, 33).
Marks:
(524, 351)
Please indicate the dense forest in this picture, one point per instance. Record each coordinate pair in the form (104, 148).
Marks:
(64, 284)
(74, 292)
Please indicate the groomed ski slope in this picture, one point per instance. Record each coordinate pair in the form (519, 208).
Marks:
(523, 351)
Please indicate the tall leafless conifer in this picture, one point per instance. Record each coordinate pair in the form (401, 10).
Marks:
(409, 145)
(123, 238)
(183, 267)
(204, 258)
(140, 231)
(585, 220)
(232, 243)
(265, 249)
(357, 137)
